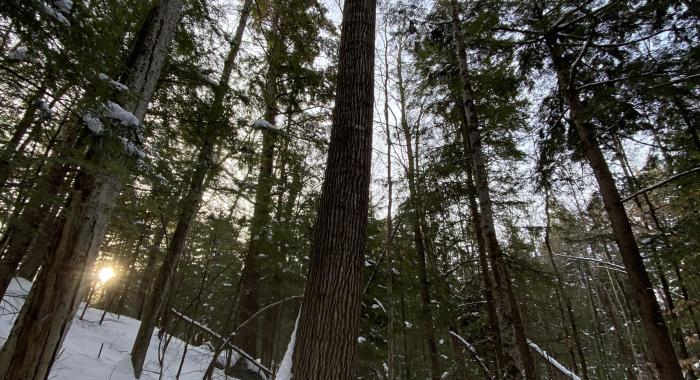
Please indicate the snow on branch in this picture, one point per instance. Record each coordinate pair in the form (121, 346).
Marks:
(472, 351)
(93, 123)
(612, 266)
(565, 371)
(113, 83)
(249, 359)
(265, 125)
(20, 54)
(126, 118)
(661, 183)
(55, 14)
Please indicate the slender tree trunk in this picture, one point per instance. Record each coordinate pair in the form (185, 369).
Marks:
(626, 349)
(329, 318)
(486, 274)
(561, 295)
(662, 354)
(146, 281)
(190, 203)
(598, 329)
(418, 238)
(516, 355)
(130, 270)
(388, 233)
(260, 237)
(45, 318)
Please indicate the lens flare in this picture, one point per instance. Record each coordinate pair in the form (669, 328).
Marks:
(105, 274)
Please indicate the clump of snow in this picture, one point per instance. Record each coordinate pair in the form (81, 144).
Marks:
(114, 337)
(20, 54)
(131, 149)
(113, 83)
(55, 14)
(126, 118)
(93, 123)
(264, 125)
(361, 339)
(285, 370)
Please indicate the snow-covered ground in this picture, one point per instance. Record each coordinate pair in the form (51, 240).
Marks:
(78, 359)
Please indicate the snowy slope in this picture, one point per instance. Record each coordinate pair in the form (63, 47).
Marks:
(79, 360)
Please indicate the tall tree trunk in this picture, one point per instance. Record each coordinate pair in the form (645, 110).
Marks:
(146, 280)
(418, 238)
(45, 318)
(190, 202)
(388, 233)
(517, 360)
(260, 238)
(329, 319)
(130, 271)
(486, 274)
(662, 354)
(561, 295)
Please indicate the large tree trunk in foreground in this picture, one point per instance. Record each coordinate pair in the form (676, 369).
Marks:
(44, 321)
(160, 291)
(516, 356)
(661, 351)
(329, 319)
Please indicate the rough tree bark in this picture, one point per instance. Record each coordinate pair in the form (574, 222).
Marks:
(661, 351)
(45, 318)
(329, 318)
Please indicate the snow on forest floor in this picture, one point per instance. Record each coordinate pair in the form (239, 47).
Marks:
(78, 359)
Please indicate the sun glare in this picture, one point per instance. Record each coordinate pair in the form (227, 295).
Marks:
(106, 274)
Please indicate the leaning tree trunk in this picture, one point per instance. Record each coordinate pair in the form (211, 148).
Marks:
(45, 318)
(260, 235)
(190, 204)
(486, 273)
(516, 358)
(329, 319)
(661, 351)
